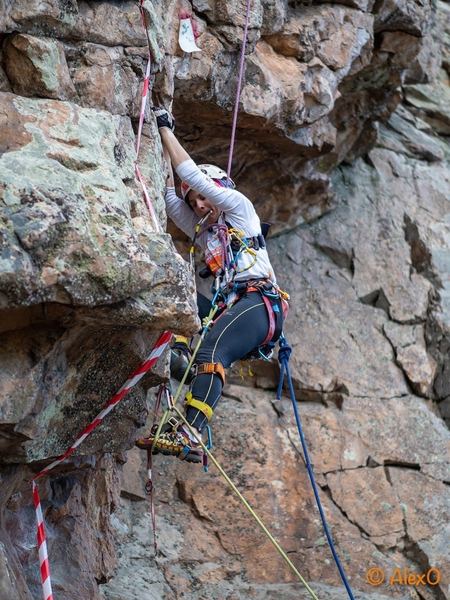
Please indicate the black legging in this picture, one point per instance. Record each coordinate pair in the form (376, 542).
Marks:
(238, 331)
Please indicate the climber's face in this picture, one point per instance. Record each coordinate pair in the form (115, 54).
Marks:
(201, 205)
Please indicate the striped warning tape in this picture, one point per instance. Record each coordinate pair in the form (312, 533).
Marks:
(42, 546)
(148, 202)
(134, 378)
(158, 349)
(144, 98)
(145, 87)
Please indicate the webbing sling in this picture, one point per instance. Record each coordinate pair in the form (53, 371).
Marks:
(199, 405)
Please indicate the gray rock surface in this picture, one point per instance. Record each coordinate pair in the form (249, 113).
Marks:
(76, 230)
(342, 143)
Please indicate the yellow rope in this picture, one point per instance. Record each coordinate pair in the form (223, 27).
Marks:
(207, 322)
(247, 505)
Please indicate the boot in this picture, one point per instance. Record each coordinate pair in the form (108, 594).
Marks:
(173, 442)
(180, 355)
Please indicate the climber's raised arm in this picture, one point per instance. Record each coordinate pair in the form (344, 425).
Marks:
(176, 207)
(176, 151)
(206, 188)
(228, 230)
(166, 125)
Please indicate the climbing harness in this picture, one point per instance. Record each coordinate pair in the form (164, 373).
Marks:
(276, 303)
(284, 354)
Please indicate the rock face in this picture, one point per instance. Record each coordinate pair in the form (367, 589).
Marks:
(342, 143)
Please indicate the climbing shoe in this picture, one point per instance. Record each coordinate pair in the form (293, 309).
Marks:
(180, 355)
(172, 443)
(146, 443)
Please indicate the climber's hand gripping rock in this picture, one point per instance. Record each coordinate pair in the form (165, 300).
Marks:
(163, 118)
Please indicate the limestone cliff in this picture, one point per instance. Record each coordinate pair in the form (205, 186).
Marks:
(342, 144)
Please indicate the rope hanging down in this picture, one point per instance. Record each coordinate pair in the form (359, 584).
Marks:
(284, 354)
(238, 91)
(144, 97)
(247, 506)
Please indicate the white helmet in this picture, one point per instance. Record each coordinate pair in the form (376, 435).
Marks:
(217, 175)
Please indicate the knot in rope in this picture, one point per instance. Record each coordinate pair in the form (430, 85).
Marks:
(285, 351)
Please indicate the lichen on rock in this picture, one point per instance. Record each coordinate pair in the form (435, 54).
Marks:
(342, 143)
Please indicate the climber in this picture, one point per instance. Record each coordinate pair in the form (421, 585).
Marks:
(252, 306)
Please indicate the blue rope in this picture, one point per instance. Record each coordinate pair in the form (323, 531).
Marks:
(283, 357)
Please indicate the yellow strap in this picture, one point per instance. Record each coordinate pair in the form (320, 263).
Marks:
(199, 405)
(182, 339)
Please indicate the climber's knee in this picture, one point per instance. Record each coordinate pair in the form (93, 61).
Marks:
(213, 368)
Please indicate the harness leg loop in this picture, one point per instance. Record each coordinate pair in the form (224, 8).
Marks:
(199, 405)
(214, 368)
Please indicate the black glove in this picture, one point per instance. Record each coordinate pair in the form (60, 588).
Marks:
(163, 118)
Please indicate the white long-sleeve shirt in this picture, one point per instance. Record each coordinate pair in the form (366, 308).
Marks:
(237, 211)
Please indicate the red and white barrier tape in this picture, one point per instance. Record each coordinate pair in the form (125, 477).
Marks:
(148, 202)
(145, 87)
(144, 98)
(134, 378)
(42, 547)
